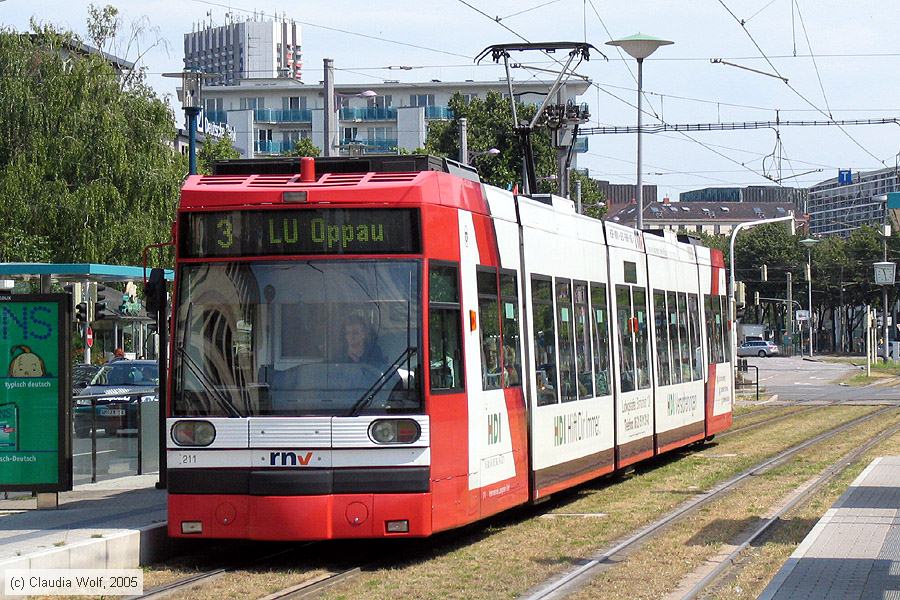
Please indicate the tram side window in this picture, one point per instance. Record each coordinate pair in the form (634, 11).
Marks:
(583, 342)
(509, 318)
(684, 342)
(642, 337)
(568, 383)
(708, 320)
(726, 337)
(696, 350)
(600, 338)
(445, 348)
(544, 340)
(713, 328)
(489, 327)
(673, 336)
(626, 338)
(660, 316)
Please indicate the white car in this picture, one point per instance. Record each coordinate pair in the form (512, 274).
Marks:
(757, 348)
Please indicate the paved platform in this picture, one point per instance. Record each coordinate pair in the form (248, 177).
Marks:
(853, 552)
(111, 524)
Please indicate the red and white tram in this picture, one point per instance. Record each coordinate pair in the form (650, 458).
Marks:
(386, 347)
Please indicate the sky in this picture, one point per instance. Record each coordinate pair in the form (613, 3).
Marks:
(840, 59)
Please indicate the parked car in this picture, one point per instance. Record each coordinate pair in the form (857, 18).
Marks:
(82, 376)
(118, 389)
(758, 348)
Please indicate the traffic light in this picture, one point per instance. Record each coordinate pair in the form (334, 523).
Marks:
(756, 298)
(100, 311)
(764, 273)
(81, 312)
(741, 293)
(155, 292)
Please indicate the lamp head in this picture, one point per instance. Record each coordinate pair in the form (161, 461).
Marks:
(808, 243)
(639, 46)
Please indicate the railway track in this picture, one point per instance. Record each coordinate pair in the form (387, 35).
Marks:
(561, 586)
(184, 584)
(730, 563)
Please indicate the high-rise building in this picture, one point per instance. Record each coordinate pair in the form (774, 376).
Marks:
(250, 49)
(837, 208)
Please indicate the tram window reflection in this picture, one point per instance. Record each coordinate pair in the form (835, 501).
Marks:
(600, 338)
(544, 340)
(286, 338)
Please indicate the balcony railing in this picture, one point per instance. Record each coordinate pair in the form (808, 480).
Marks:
(262, 147)
(271, 115)
(370, 146)
(369, 114)
(581, 144)
(438, 112)
(216, 116)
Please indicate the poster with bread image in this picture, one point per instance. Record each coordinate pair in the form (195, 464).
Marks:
(26, 363)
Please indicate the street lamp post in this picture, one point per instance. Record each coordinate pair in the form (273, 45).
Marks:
(336, 107)
(639, 47)
(191, 83)
(808, 243)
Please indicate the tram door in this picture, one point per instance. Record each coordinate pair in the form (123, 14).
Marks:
(631, 345)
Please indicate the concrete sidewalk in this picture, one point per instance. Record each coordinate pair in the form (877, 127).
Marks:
(853, 552)
(111, 524)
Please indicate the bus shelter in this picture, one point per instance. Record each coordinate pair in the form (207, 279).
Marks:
(98, 450)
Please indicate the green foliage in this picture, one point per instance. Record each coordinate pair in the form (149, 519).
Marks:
(304, 147)
(102, 24)
(215, 149)
(593, 202)
(87, 169)
(490, 126)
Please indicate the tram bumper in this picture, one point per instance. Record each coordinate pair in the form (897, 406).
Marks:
(265, 506)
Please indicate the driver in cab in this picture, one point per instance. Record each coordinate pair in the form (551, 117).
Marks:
(359, 343)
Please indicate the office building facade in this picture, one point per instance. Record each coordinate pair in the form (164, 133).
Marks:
(837, 208)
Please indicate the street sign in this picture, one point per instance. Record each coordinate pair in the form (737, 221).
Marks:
(845, 177)
(89, 338)
(35, 398)
(885, 273)
(803, 315)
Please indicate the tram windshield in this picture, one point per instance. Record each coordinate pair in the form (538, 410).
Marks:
(334, 338)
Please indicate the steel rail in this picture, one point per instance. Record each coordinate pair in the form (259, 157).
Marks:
(565, 584)
(836, 468)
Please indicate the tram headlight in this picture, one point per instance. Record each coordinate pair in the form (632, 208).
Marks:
(394, 431)
(193, 433)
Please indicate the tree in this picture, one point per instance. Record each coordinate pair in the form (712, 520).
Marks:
(87, 168)
(215, 149)
(593, 202)
(304, 147)
(490, 126)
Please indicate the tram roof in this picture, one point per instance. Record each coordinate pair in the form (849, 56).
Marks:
(77, 272)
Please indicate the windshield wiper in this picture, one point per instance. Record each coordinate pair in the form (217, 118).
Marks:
(370, 393)
(210, 389)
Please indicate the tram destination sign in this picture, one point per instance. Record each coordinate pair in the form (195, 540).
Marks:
(300, 231)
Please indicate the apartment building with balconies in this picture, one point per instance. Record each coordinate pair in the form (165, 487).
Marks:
(269, 116)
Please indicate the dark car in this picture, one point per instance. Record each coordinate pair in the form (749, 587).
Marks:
(117, 390)
(82, 376)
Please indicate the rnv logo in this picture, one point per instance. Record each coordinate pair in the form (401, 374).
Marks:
(289, 459)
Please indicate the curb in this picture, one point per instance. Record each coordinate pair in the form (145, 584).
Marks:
(126, 549)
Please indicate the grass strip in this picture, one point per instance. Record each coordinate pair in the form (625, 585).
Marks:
(513, 553)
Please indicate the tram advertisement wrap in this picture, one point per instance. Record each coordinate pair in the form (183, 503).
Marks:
(34, 392)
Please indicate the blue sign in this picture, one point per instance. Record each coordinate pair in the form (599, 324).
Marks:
(845, 177)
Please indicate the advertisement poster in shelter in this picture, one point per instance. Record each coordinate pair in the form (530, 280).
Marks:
(35, 450)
